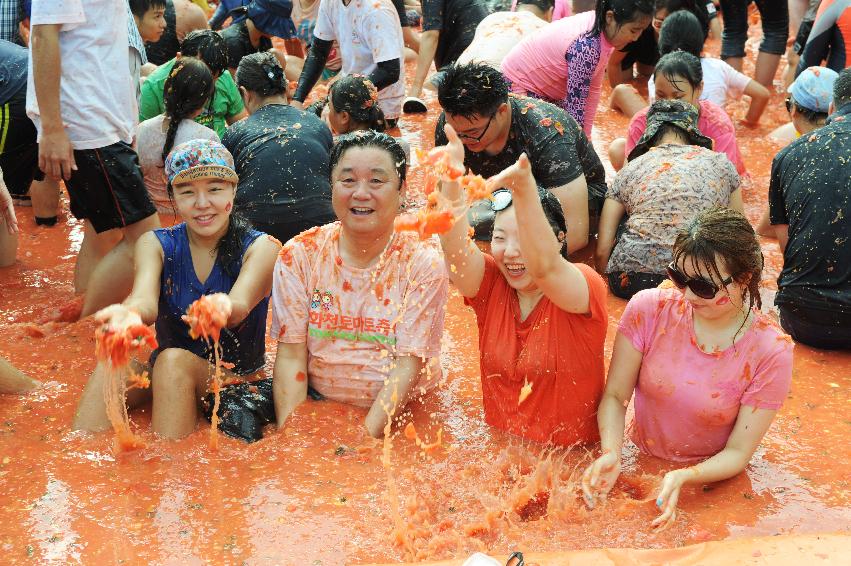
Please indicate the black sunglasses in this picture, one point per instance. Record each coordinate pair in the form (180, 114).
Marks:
(478, 138)
(701, 287)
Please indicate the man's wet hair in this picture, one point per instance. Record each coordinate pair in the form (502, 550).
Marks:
(542, 5)
(371, 138)
(208, 46)
(141, 7)
(842, 89)
(472, 89)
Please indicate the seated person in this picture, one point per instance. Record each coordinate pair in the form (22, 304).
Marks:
(213, 252)
(370, 43)
(226, 105)
(181, 18)
(672, 175)
(358, 309)
(254, 27)
(223, 12)
(565, 61)
(707, 370)
(808, 104)
(13, 381)
(542, 319)
(810, 211)
(643, 53)
(679, 76)
(498, 33)
(187, 90)
(721, 82)
(145, 24)
(829, 40)
(496, 128)
(448, 29)
(281, 154)
(561, 9)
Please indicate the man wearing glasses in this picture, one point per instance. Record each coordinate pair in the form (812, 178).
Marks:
(496, 128)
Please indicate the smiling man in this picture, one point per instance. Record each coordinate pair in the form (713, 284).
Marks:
(496, 128)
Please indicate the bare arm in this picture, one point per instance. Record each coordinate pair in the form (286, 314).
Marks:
(736, 201)
(781, 232)
(613, 69)
(55, 153)
(464, 260)
(428, 47)
(561, 281)
(759, 99)
(393, 396)
(145, 296)
(611, 216)
(289, 379)
(574, 203)
(255, 278)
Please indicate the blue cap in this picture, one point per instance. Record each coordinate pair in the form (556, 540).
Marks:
(813, 89)
(272, 17)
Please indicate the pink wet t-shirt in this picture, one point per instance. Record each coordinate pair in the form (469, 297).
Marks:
(687, 401)
(713, 122)
(355, 321)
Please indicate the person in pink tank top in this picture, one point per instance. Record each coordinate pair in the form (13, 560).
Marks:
(706, 370)
(565, 61)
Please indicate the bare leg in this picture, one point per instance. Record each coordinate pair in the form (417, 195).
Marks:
(735, 62)
(617, 149)
(626, 99)
(8, 245)
(13, 380)
(91, 411)
(93, 249)
(766, 68)
(179, 381)
(112, 279)
(45, 198)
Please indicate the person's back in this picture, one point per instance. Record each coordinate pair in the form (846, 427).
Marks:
(281, 155)
(457, 21)
(810, 194)
(497, 34)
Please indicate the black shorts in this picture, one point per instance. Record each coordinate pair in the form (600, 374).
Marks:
(108, 188)
(18, 146)
(403, 15)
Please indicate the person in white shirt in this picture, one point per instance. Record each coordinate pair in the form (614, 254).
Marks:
(85, 119)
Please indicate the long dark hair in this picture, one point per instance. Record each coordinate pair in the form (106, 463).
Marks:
(261, 73)
(357, 95)
(681, 31)
(187, 89)
(625, 11)
(371, 138)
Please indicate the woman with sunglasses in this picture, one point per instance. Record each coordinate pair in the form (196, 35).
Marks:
(542, 319)
(707, 369)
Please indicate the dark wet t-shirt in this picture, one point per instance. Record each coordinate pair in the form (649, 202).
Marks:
(13, 70)
(238, 43)
(558, 149)
(810, 190)
(281, 155)
(456, 20)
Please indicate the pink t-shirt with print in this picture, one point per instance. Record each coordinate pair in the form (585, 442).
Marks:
(713, 122)
(687, 401)
(355, 321)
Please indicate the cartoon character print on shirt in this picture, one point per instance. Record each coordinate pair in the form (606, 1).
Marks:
(327, 300)
(315, 299)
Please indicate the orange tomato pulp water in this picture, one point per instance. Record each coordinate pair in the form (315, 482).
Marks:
(316, 491)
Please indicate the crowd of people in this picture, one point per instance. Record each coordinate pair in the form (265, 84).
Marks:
(197, 170)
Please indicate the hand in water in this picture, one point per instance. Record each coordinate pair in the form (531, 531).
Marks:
(7, 211)
(516, 178)
(669, 494)
(117, 318)
(599, 478)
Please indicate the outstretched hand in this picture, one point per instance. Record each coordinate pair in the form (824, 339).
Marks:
(7, 210)
(669, 494)
(117, 318)
(599, 478)
(517, 178)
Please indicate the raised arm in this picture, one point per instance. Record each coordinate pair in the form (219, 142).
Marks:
(55, 153)
(561, 281)
(465, 261)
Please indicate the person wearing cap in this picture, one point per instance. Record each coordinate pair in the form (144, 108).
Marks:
(181, 18)
(252, 31)
(809, 208)
(542, 319)
(225, 106)
(370, 41)
(672, 175)
(808, 103)
(212, 252)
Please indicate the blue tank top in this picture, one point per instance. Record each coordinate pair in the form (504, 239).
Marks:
(244, 345)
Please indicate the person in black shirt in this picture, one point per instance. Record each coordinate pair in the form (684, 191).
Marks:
(809, 201)
(281, 154)
(496, 128)
(448, 28)
(253, 27)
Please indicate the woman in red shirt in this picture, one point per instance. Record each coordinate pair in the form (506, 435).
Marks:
(542, 319)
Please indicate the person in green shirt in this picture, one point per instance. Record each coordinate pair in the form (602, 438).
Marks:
(224, 108)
